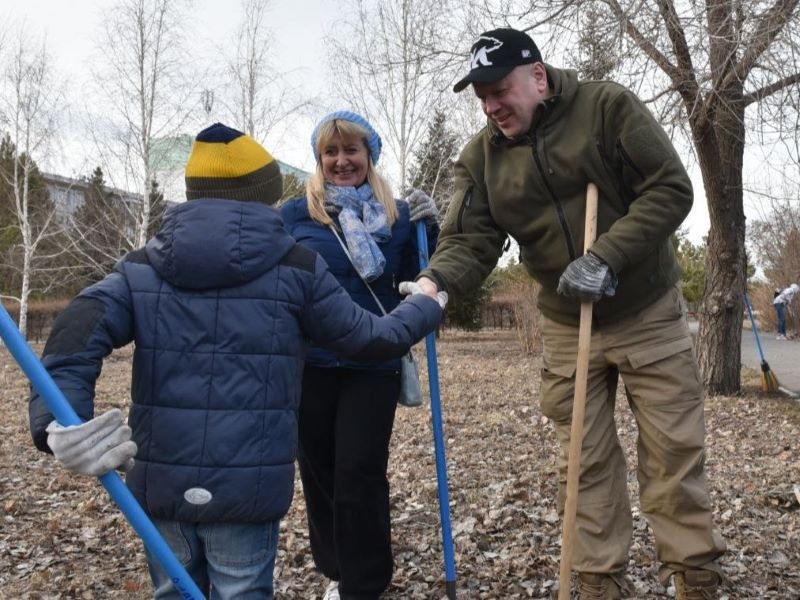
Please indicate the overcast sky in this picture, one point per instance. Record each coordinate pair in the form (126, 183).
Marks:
(73, 28)
(298, 26)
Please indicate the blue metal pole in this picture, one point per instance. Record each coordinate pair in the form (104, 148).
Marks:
(66, 416)
(755, 327)
(438, 436)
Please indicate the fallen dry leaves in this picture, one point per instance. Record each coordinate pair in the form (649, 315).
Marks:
(62, 538)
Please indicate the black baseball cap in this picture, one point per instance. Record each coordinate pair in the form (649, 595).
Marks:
(496, 54)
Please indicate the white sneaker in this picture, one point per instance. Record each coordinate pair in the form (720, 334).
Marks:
(332, 591)
(781, 337)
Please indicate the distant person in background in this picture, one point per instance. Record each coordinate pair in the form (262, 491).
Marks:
(781, 303)
(347, 407)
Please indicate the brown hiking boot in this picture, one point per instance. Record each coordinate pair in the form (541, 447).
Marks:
(601, 586)
(697, 584)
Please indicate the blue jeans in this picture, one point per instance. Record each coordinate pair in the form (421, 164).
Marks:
(226, 560)
(780, 308)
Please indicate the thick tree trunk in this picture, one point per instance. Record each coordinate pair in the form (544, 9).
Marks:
(719, 340)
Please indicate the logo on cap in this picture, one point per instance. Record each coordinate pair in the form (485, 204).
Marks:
(496, 53)
(480, 56)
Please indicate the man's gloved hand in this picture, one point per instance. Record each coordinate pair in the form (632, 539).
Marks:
(588, 279)
(422, 206)
(412, 287)
(95, 447)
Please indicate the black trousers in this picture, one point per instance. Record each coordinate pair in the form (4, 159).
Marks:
(346, 419)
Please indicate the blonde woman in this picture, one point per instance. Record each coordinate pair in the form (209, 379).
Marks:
(347, 408)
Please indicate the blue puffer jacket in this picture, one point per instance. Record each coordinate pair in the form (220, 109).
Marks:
(402, 264)
(220, 305)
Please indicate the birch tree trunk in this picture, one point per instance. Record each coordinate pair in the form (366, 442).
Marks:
(30, 102)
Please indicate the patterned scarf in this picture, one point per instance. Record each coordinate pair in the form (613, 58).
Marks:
(364, 224)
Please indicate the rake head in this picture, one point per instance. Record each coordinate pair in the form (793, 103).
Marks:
(769, 382)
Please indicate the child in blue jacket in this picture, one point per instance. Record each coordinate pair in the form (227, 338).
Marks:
(221, 305)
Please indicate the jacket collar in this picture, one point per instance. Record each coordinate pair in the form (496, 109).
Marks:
(214, 243)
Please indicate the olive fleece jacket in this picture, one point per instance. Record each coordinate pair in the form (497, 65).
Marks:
(533, 188)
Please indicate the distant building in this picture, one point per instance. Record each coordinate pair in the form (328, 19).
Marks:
(169, 157)
(68, 194)
(302, 176)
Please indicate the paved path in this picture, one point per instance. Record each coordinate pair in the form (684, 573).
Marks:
(783, 356)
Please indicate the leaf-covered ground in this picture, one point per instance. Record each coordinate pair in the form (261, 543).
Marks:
(62, 538)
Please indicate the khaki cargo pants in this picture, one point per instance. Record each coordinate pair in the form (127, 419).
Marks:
(653, 353)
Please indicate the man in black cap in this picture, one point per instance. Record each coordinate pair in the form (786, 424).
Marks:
(525, 175)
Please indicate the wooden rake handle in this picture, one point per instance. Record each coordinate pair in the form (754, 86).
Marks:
(578, 412)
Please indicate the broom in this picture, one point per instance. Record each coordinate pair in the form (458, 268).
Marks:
(769, 382)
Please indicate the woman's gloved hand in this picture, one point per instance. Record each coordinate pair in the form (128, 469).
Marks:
(422, 206)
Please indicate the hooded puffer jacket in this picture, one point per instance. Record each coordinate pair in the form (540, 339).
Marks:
(220, 305)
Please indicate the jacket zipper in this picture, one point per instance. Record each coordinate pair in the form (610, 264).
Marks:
(627, 197)
(628, 160)
(464, 205)
(616, 178)
(559, 209)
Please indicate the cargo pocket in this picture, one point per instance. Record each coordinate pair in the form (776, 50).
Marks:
(665, 373)
(642, 358)
(558, 389)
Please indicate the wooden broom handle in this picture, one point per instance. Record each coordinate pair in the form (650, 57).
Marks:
(578, 412)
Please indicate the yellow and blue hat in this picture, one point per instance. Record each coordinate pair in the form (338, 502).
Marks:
(226, 163)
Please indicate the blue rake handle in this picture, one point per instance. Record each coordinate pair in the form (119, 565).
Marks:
(438, 436)
(66, 416)
(755, 327)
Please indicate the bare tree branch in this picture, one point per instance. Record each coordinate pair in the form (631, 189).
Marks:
(768, 90)
(390, 75)
(145, 81)
(769, 27)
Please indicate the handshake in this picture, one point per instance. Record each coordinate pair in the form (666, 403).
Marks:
(408, 288)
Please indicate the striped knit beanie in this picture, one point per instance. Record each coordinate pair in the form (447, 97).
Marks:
(228, 164)
(373, 139)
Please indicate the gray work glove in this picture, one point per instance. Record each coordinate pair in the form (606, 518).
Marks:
(412, 287)
(588, 279)
(422, 206)
(95, 447)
